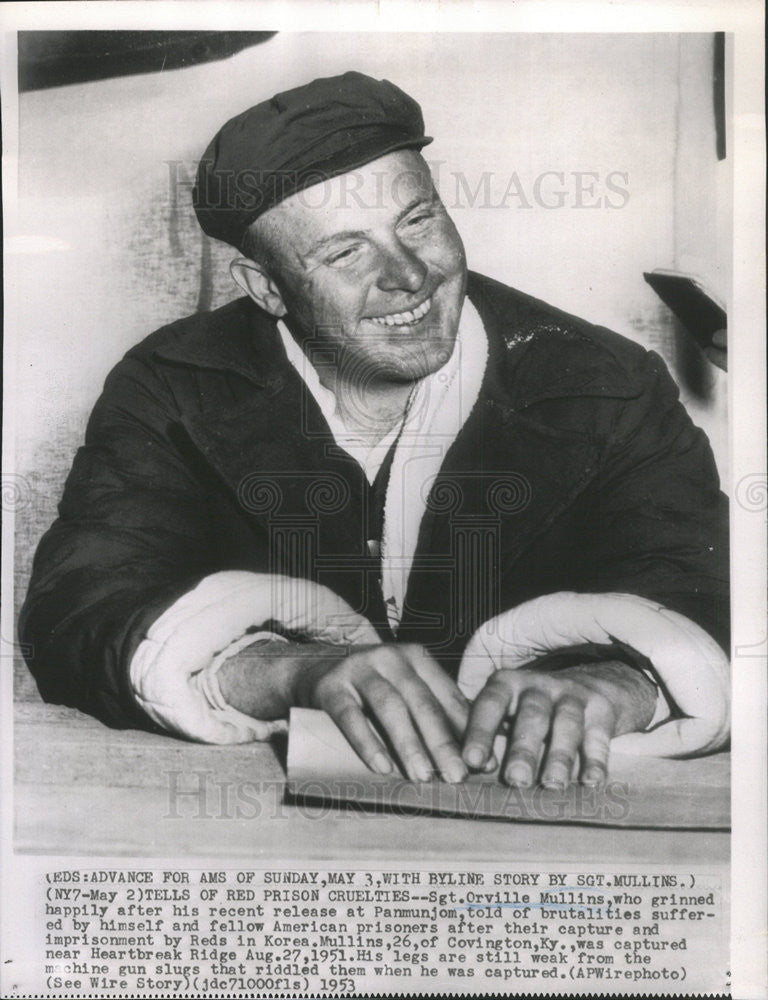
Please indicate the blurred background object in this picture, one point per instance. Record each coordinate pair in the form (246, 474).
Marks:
(58, 58)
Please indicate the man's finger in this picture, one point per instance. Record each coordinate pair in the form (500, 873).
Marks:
(599, 725)
(532, 722)
(455, 705)
(434, 727)
(594, 755)
(485, 717)
(386, 703)
(594, 768)
(351, 720)
(567, 732)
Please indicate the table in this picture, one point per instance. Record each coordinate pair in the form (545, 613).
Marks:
(84, 789)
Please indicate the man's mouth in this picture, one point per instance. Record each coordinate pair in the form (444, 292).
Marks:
(408, 318)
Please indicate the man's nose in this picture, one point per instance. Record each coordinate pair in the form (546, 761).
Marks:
(400, 269)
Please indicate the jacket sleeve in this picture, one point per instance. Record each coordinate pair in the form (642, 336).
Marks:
(655, 522)
(647, 561)
(132, 536)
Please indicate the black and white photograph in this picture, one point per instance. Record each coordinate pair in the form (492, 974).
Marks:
(384, 501)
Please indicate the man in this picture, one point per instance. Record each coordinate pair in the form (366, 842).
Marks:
(376, 474)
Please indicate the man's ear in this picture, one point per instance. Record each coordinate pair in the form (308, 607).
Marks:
(256, 282)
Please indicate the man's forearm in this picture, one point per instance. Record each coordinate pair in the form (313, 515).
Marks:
(264, 680)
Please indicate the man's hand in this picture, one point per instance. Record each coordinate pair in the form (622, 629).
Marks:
(557, 718)
(418, 708)
(420, 711)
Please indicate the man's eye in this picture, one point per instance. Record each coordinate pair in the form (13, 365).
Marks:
(342, 257)
(415, 220)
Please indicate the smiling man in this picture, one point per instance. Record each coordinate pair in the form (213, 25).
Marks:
(385, 486)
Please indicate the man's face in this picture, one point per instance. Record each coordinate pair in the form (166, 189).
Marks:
(371, 263)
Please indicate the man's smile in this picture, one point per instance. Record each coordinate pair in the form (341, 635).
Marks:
(408, 318)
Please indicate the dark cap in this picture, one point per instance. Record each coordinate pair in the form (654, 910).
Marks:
(299, 138)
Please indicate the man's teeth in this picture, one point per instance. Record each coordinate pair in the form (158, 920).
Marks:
(404, 318)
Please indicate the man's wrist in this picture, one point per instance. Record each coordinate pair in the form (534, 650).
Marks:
(264, 680)
(311, 662)
(632, 694)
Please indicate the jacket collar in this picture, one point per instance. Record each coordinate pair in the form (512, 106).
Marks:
(538, 352)
(239, 337)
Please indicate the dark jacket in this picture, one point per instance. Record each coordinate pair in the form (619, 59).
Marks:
(578, 469)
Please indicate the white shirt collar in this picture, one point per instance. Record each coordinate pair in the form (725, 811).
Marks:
(369, 457)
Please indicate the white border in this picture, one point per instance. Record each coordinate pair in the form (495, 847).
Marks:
(744, 19)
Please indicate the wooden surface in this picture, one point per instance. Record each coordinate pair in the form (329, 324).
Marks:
(83, 789)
